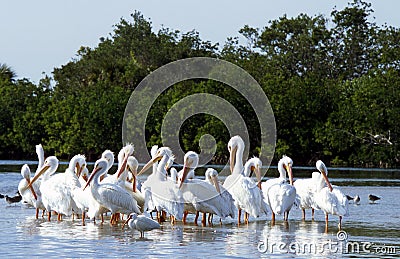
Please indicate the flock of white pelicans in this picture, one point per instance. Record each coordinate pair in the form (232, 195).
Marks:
(174, 194)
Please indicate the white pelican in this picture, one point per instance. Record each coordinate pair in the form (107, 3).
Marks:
(279, 195)
(162, 194)
(330, 199)
(141, 223)
(34, 189)
(121, 175)
(57, 191)
(227, 203)
(28, 193)
(132, 166)
(200, 195)
(47, 170)
(243, 189)
(305, 191)
(111, 196)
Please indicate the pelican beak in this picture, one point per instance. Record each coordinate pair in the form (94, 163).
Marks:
(31, 188)
(134, 175)
(232, 158)
(79, 169)
(85, 178)
(44, 169)
(327, 180)
(123, 166)
(126, 221)
(258, 175)
(186, 169)
(216, 183)
(149, 164)
(95, 170)
(290, 173)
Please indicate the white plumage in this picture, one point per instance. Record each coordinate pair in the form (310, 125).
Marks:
(330, 199)
(243, 189)
(160, 193)
(112, 196)
(278, 194)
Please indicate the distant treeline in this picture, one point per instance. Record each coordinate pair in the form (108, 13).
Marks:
(333, 83)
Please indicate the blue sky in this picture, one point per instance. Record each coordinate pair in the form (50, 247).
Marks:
(37, 36)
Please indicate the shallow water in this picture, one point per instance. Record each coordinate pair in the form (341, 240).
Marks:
(372, 229)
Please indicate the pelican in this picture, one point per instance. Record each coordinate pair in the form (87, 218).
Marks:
(161, 194)
(330, 199)
(28, 193)
(131, 167)
(279, 195)
(111, 196)
(200, 195)
(227, 203)
(121, 175)
(305, 191)
(141, 223)
(57, 190)
(49, 167)
(242, 188)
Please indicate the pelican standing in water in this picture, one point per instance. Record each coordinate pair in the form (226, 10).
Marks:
(141, 223)
(305, 191)
(227, 203)
(49, 167)
(111, 196)
(330, 199)
(200, 195)
(28, 193)
(279, 195)
(57, 190)
(242, 188)
(162, 194)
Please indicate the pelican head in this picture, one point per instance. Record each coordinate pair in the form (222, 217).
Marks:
(50, 166)
(77, 163)
(212, 177)
(235, 144)
(100, 167)
(127, 150)
(26, 172)
(324, 171)
(109, 156)
(190, 162)
(253, 165)
(161, 152)
(285, 166)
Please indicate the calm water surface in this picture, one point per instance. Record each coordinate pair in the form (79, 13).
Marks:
(372, 230)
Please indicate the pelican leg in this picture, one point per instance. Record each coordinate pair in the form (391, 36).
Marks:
(37, 214)
(195, 218)
(340, 222)
(273, 218)
(312, 213)
(49, 215)
(246, 217)
(304, 214)
(185, 213)
(210, 218)
(286, 216)
(59, 217)
(239, 212)
(203, 220)
(83, 217)
(43, 213)
(102, 218)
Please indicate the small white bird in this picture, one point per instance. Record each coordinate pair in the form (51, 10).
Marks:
(141, 223)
